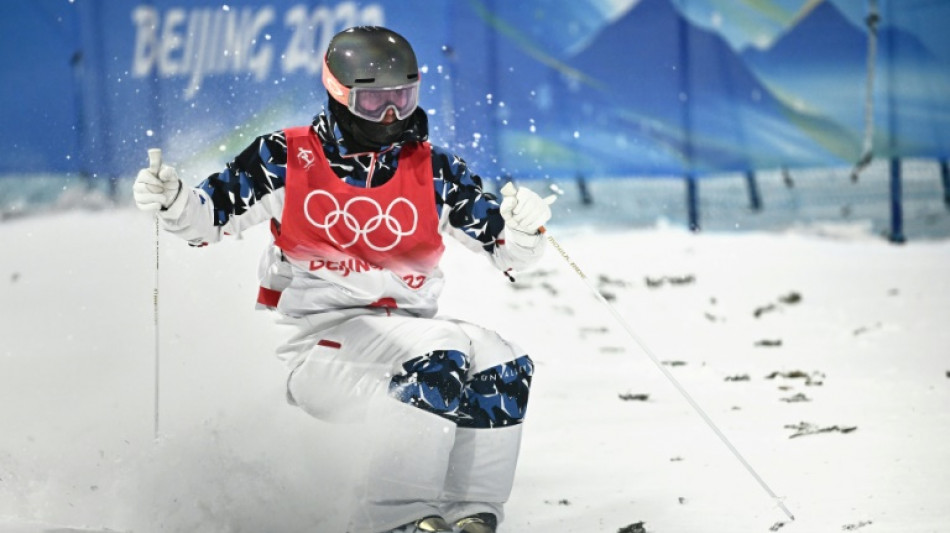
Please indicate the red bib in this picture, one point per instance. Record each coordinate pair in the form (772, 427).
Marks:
(393, 226)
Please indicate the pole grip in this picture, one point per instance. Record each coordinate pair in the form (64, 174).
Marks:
(154, 160)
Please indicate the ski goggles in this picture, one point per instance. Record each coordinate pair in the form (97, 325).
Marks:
(371, 103)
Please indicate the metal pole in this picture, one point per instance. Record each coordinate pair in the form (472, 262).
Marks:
(692, 202)
(897, 209)
(155, 165)
(157, 336)
(945, 180)
(755, 198)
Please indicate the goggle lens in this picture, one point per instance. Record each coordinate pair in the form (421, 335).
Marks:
(371, 104)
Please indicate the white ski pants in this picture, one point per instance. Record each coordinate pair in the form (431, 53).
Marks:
(436, 403)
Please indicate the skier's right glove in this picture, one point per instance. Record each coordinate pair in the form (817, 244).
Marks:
(159, 190)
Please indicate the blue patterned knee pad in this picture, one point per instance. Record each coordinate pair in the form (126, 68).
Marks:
(498, 396)
(432, 382)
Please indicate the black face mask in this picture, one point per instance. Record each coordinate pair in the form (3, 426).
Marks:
(361, 135)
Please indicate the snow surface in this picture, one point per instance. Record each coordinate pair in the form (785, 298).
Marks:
(811, 327)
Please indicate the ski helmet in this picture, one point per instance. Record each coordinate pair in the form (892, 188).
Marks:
(371, 69)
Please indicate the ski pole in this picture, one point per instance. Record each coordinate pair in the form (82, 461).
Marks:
(154, 166)
(509, 190)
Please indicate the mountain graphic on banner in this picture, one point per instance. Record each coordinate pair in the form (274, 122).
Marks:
(653, 56)
(823, 39)
(820, 65)
(684, 91)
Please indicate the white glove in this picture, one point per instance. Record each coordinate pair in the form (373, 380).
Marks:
(525, 214)
(157, 187)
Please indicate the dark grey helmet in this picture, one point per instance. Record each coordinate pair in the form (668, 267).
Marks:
(370, 56)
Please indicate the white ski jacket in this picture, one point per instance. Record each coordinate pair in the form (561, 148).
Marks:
(251, 191)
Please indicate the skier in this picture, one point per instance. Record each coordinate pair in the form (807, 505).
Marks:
(357, 203)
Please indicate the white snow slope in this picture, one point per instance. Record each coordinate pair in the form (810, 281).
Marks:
(823, 356)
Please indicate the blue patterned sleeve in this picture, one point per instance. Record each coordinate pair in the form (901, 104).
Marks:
(256, 172)
(471, 209)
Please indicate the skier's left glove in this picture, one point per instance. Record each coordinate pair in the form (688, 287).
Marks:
(525, 214)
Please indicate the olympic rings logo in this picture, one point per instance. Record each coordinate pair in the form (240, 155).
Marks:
(380, 230)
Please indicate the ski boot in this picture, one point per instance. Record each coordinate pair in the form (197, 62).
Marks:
(479, 523)
(429, 524)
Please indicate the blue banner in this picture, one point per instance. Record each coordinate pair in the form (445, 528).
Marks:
(528, 89)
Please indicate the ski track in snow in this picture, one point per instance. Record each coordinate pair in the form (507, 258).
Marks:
(608, 443)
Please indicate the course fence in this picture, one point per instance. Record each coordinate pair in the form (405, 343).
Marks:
(689, 89)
